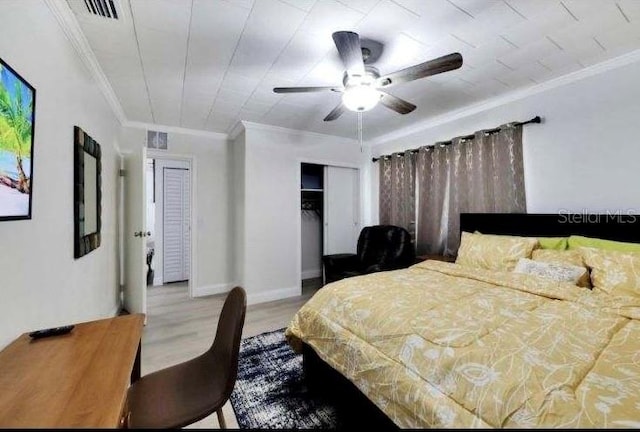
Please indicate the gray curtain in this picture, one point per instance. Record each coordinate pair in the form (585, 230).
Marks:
(432, 171)
(486, 175)
(507, 182)
(397, 191)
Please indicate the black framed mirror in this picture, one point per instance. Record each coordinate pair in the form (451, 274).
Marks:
(87, 193)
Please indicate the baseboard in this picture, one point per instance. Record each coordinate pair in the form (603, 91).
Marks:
(267, 296)
(310, 274)
(207, 290)
(252, 298)
(116, 311)
(157, 280)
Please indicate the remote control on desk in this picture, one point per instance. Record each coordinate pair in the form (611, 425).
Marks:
(51, 332)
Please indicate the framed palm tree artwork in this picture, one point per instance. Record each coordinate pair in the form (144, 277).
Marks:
(17, 120)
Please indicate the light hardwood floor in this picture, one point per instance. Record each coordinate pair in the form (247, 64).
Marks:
(179, 328)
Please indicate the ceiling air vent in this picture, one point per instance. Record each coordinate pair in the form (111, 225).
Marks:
(103, 8)
(157, 140)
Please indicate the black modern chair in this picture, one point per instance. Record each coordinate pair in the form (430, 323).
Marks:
(380, 248)
(187, 392)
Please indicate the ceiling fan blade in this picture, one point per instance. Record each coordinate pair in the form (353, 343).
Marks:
(348, 44)
(395, 103)
(431, 67)
(335, 113)
(305, 89)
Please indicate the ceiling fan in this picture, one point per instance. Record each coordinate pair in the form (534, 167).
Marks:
(363, 87)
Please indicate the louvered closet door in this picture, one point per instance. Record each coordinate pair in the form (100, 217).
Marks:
(176, 215)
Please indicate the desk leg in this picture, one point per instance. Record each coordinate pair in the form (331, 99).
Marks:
(137, 367)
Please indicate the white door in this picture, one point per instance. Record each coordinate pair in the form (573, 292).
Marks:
(135, 232)
(176, 218)
(341, 210)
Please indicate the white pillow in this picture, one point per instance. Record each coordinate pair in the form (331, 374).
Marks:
(556, 272)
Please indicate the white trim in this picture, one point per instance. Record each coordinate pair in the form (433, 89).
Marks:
(236, 130)
(116, 147)
(159, 231)
(310, 274)
(327, 162)
(617, 62)
(279, 129)
(72, 30)
(298, 217)
(160, 154)
(207, 290)
(271, 295)
(115, 311)
(175, 129)
(67, 20)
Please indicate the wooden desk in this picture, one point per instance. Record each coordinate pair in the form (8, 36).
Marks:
(75, 380)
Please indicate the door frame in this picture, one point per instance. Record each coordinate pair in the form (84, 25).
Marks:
(127, 170)
(161, 165)
(298, 217)
(191, 160)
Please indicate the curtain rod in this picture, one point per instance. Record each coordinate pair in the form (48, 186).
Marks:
(536, 119)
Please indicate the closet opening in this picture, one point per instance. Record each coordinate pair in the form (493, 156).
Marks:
(312, 208)
(330, 217)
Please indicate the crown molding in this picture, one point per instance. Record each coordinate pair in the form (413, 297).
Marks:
(175, 129)
(237, 128)
(69, 24)
(67, 20)
(279, 129)
(598, 68)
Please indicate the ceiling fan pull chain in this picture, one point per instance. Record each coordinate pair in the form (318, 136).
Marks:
(360, 130)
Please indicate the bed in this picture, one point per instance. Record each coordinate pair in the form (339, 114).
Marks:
(441, 345)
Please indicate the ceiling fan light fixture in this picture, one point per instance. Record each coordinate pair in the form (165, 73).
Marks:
(360, 98)
(363, 87)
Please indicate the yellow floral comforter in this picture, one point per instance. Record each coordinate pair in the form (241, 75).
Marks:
(440, 345)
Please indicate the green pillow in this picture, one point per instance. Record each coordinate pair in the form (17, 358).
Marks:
(576, 242)
(555, 243)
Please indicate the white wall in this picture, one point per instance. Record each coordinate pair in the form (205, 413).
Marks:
(41, 284)
(238, 197)
(248, 189)
(271, 227)
(214, 267)
(583, 157)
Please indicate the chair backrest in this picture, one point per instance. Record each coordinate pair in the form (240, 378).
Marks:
(389, 246)
(226, 345)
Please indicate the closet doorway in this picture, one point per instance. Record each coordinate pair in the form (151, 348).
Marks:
(330, 217)
(169, 216)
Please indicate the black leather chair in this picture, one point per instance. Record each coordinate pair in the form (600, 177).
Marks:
(380, 248)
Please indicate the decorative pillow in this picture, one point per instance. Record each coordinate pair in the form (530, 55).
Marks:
(493, 252)
(556, 272)
(614, 272)
(576, 242)
(555, 243)
(564, 258)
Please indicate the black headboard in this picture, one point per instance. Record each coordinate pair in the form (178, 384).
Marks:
(614, 226)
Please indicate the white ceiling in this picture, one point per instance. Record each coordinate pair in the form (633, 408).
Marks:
(205, 64)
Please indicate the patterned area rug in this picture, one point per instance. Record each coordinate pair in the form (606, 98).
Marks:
(270, 391)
